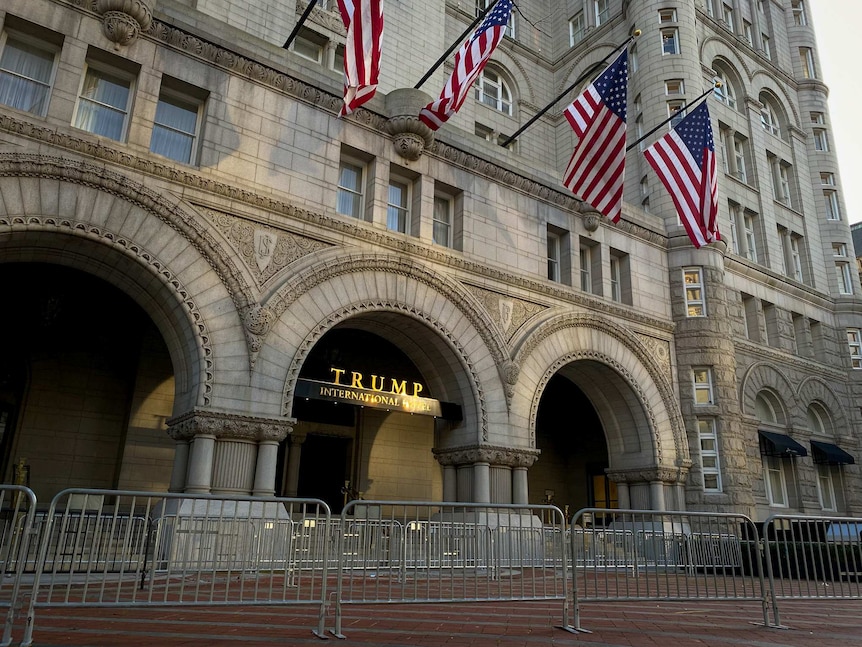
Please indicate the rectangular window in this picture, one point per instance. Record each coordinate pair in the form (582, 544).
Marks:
(669, 41)
(826, 487)
(309, 45)
(442, 220)
(481, 5)
(842, 268)
(854, 342)
(806, 59)
(739, 160)
(751, 313)
(675, 109)
(397, 206)
(674, 87)
(749, 221)
(602, 11)
(177, 121)
(104, 101)
(727, 16)
(827, 179)
(799, 18)
(576, 28)
(709, 461)
(26, 74)
(817, 118)
(776, 484)
(695, 304)
(586, 259)
(735, 214)
(553, 256)
(350, 189)
(747, 33)
(821, 141)
(616, 279)
(666, 15)
(796, 257)
(767, 49)
(833, 209)
(702, 386)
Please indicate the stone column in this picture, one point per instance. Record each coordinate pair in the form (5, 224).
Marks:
(225, 452)
(450, 483)
(181, 463)
(623, 499)
(199, 477)
(488, 474)
(482, 482)
(293, 459)
(656, 489)
(647, 489)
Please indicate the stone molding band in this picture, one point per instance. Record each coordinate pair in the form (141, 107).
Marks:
(223, 425)
(493, 455)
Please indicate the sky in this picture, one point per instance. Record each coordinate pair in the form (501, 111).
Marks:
(836, 25)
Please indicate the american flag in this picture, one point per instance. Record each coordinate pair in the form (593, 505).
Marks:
(598, 116)
(684, 160)
(469, 62)
(364, 22)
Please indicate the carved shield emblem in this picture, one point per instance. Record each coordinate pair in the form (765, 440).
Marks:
(264, 247)
(507, 308)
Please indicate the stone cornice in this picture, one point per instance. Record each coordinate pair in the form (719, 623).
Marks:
(222, 424)
(493, 455)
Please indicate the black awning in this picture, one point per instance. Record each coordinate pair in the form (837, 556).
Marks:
(774, 444)
(829, 454)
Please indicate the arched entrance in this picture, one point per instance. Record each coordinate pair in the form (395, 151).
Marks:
(572, 469)
(371, 447)
(86, 384)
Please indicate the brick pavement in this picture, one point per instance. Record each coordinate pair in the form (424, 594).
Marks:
(821, 623)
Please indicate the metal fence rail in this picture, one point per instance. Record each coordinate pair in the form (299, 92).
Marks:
(812, 557)
(112, 548)
(621, 555)
(411, 552)
(17, 511)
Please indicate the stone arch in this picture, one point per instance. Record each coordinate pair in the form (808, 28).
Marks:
(378, 317)
(623, 361)
(713, 48)
(71, 213)
(815, 389)
(758, 377)
(335, 265)
(765, 82)
(576, 66)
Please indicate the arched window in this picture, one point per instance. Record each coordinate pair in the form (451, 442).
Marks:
(727, 92)
(771, 116)
(767, 408)
(818, 420)
(493, 91)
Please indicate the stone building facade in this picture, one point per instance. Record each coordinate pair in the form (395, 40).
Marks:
(217, 286)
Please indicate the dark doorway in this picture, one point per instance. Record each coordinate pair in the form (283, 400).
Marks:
(324, 469)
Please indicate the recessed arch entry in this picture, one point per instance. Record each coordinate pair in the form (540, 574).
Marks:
(604, 417)
(342, 448)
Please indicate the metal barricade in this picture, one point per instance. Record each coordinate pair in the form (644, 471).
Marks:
(812, 557)
(624, 555)
(113, 548)
(425, 552)
(17, 511)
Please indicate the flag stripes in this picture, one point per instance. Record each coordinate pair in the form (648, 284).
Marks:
(364, 22)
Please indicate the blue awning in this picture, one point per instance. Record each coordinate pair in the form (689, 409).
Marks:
(829, 454)
(782, 445)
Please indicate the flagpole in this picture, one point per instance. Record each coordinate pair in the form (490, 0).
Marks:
(685, 106)
(455, 45)
(583, 77)
(302, 19)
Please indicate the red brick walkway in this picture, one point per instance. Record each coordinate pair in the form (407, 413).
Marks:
(820, 623)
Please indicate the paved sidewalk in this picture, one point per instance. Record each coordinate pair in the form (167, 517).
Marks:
(820, 623)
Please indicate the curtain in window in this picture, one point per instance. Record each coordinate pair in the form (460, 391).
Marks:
(25, 72)
(174, 129)
(103, 103)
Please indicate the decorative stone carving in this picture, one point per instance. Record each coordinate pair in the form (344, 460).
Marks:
(659, 350)
(502, 456)
(591, 221)
(507, 312)
(265, 250)
(650, 475)
(410, 137)
(124, 20)
(221, 424)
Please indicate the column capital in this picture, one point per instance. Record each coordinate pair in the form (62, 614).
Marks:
(649, 475)
(505, 456)
(223, 425)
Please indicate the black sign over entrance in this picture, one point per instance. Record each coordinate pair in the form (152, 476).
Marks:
(378, 399)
